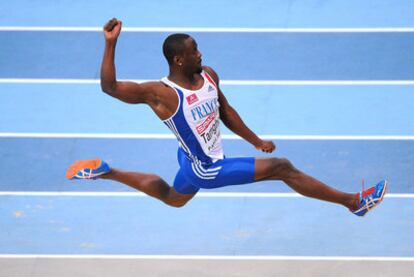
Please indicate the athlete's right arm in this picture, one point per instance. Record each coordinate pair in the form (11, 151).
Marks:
(128, 92)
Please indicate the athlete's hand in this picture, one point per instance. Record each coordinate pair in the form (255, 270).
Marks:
(112, 29)
(266, 146)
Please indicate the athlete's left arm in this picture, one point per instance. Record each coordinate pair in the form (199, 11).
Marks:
(233, 121)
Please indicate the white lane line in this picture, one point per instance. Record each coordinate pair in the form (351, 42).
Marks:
(318, 82)
(209, 257)
(86, 136)
(225, 82)
(171, 136)
(51, 81)
(200, 194)
(210, 29)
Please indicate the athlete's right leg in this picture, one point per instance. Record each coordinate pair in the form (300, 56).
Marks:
(283, 170)
(151, 185)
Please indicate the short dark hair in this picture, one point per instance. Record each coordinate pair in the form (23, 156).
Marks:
(173, 46)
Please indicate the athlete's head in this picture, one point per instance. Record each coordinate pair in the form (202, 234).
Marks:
(181, 51)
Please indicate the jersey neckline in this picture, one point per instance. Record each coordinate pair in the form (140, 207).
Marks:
(190, 90)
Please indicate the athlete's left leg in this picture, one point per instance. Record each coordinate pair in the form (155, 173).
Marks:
(283, 170)
(150, 184)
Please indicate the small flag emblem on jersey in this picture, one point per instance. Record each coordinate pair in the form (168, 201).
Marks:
(210, 88)
(192, 98)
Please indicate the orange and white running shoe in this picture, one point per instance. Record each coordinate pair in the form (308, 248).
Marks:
(87, 169)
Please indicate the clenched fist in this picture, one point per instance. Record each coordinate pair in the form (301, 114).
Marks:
(112, 29)
(266, 146)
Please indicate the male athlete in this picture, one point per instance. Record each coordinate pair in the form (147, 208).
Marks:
(189, 101)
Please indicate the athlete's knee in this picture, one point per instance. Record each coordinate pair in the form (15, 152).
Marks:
(177, 204)
(286, 164)
(177, 200)
(283, 168)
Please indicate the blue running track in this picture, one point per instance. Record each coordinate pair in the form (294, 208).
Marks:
(35, 111)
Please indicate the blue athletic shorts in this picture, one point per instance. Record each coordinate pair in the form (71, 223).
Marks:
(227, 172)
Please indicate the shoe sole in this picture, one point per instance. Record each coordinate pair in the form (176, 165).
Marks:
(82, 164)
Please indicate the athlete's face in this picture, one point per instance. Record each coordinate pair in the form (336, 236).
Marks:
(192, 57)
